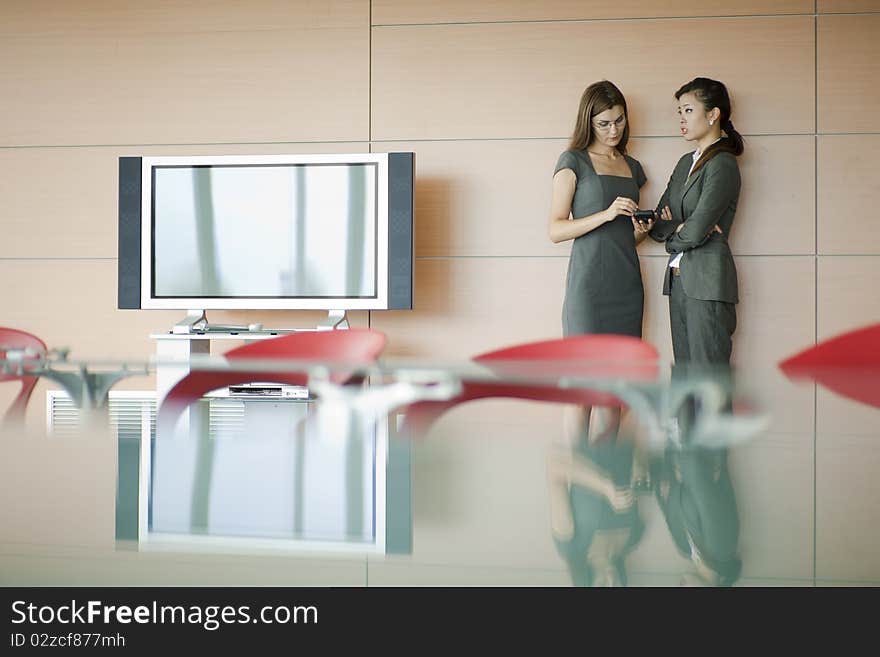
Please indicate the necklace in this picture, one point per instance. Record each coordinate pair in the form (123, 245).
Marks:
(609, 155)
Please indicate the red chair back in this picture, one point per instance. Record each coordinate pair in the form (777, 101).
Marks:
(848, 364)
(589, 356)
(14, 338)
(597, 348)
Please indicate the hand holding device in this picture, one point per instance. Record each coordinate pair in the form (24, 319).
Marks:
(620, 206)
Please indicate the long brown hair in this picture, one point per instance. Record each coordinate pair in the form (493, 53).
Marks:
(597, 98)
(712, 93)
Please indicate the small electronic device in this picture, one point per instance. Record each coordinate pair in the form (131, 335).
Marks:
(641, 486)
(268, 391)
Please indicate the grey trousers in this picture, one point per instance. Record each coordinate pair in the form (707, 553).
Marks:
(702, 334)
(702, 331)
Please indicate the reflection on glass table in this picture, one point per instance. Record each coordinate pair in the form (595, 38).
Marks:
(722, 412)
(316, 474)
(696, 494)
(87, 383)
(594, 511)
(398, 384)
(792, 504)
(269, 477)
(595, 491)
(260, 469)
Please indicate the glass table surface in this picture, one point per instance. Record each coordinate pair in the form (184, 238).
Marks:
(712, 478)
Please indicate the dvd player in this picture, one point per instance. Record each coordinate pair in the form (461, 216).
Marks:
(268, 391)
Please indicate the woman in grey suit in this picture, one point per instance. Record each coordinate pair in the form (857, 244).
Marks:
(697, 211)
(595, 193)
(695, 491)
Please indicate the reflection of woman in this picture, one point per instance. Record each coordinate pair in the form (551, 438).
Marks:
(698, 208)
(595, 193)
(594, 517)
(696, 496)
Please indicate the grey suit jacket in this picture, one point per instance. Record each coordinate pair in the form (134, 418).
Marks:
(702, 200)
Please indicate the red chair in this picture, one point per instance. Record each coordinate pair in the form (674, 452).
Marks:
(610, 357)
(349, 346)
(15, 339)
(848, 364)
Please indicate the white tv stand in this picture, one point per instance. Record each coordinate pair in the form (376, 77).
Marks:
(193, 335)
(196, 322)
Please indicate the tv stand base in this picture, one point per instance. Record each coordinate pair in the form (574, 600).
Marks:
(196, 322)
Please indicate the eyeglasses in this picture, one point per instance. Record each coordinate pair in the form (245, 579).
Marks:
(605, 126)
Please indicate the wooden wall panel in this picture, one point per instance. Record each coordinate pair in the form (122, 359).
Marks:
(848, 66)
(777, 204)
(774, 319)
(483, 198)
(847, 295)
(292, 84)
(525, 80)
(847, 490)
(465, 306)
(849, 188)
(126, 17)
(838, 416)
(842, 6)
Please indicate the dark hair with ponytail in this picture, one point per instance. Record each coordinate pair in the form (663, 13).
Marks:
(713, 93)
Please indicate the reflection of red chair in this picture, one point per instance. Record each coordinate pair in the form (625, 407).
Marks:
(603, 357)
(350, 346)
(848, 364)
(13, 338)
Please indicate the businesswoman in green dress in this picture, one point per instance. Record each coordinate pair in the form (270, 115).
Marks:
(595, 193)
(594, 515)
(697, 211)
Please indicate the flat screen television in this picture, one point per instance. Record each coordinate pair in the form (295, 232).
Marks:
(286, 232)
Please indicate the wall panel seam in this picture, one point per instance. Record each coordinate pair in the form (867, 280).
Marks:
(815, 267)
(14, 147)
(632, 19)
(59, 258)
